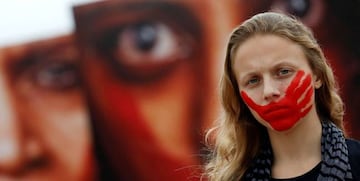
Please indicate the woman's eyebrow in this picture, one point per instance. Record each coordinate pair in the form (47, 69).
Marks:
(283, 63)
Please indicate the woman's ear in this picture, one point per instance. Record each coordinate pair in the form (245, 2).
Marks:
(317, 82)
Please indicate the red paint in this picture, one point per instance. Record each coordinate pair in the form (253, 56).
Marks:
(133, 151)
(283, 114)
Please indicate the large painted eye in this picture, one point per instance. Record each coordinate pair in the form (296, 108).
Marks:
(299, 8)
(140, 42)
(311, 12)
(144, 51)
(147, 44)
(58, 75)
(50, 65)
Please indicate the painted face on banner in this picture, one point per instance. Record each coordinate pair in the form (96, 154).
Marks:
(44, 131)
(149, 68)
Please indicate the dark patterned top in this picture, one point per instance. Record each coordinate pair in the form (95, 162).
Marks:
(340, 158)
(354, 159)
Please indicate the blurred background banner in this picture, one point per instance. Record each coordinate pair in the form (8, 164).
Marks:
(44, 127)
(125, 89)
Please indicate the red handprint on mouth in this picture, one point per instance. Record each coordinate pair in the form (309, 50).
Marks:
(283, 114)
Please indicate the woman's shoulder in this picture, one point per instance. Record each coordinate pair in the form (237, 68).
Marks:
(354, 156)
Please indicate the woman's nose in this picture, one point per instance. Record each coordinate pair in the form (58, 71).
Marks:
(271, 91)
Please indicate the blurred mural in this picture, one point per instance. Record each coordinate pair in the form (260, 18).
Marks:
(44, 128)
(125, 89)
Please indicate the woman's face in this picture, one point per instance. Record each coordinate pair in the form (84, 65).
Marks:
(275, 80)
(44, 131)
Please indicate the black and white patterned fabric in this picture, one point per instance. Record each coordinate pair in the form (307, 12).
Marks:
(334, 152)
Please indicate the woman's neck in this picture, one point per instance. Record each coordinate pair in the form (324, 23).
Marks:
(297, 150)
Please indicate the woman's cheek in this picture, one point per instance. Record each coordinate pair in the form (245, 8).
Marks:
(255, 95)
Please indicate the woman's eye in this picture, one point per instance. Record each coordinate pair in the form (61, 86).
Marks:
(56, 76)
(252, 81)
(283, 72)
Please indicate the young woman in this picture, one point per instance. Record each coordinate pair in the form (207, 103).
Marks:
(283, 115)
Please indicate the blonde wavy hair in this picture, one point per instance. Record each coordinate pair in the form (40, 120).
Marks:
(238, 136)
